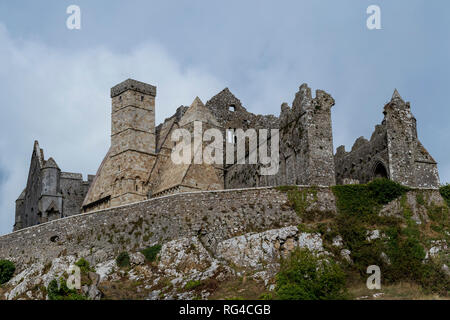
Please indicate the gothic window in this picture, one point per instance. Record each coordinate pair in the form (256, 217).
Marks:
(380, 171)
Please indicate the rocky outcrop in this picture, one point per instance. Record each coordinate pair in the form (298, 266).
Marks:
(181, 261)
(222, 238)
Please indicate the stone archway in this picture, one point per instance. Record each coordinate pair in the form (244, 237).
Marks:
(379, 171)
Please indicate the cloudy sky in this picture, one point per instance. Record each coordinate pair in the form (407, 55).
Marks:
(54, 82)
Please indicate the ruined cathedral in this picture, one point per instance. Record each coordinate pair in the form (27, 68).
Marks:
(138, 164)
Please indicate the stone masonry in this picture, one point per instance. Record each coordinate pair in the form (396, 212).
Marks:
(138, 164)
(49, 194)
(212, 216)
(394, 151)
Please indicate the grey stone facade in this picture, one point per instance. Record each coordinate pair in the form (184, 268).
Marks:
(138, 165)
(49, 194)
(306, 140)
(394, 151)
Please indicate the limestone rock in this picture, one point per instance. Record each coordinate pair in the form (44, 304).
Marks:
(185, 256)
(251, 249)
(338, 241)
(345, 253)
(137, 258)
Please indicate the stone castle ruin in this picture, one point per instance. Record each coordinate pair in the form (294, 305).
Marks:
(138, 164)
(394, 151)
(49, 194)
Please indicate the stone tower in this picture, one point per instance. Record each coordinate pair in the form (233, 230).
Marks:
(306, 136)
(409, 162)
(133, 117)
(123, 175)
(51, 204)
(132, 138)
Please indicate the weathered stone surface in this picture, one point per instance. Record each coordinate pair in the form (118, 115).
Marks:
(394, 151)
(38, 274)
(138, 165)
(186, 257)
(214, 216)
(257, 249)
(137, 258)
(49, 194)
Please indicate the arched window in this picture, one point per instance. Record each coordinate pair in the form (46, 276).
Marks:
(380, 171)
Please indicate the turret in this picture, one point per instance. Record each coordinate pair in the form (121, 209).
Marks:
(50, 178)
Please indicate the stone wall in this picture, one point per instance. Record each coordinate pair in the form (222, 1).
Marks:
(49, 193)
(366, 160)
(306, 146)
(73, 190)
(213, 216)
(394, 151)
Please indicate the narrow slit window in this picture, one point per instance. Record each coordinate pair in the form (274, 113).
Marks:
(230, 136)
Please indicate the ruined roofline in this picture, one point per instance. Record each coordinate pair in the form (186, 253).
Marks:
(50, 163)
(395, 97)
(75, 176)
(39, 153)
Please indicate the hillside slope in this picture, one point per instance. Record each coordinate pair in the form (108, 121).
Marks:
(244, 244)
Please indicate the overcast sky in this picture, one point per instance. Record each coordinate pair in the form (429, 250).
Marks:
(54, 82)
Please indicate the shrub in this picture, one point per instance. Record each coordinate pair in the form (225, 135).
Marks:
(434, 279)
(7, 269)
(192, 284)
(266, 296)
(405, 252)
(150, 253)
(62, 292)
(445, 193)
(305, 277)
(358, 207)
(384, 190)
(84, 266)
(123, 260)
(366, 199)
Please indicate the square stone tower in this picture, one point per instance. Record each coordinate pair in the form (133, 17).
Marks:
(133, 117)
(133, 143)
(123, 174)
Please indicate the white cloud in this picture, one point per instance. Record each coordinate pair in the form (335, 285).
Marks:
(62, 99)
